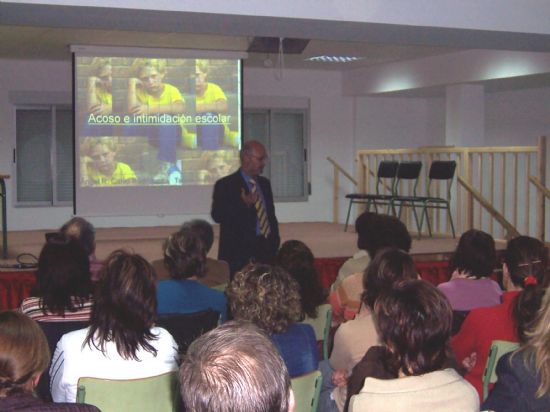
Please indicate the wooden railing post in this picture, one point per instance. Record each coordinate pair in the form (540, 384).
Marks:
(335, 191)
(468, 199)
(337, 169)
(541, 201)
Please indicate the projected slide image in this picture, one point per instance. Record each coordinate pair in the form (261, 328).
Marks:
(130, 161)
(150, 116)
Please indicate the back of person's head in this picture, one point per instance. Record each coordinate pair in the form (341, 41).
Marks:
(389, 266)
(63, 275)
(475, 254)
(265, 295)
(414, 322)
(81, 230)
(387, 231)
(526, 261)
(24, 353)
(235, 368)
(185, 254)
(364, 229)
(203, 229)
(537, 345)
(297, 259)
(125, 305)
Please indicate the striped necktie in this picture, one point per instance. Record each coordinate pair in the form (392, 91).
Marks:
(260, 210)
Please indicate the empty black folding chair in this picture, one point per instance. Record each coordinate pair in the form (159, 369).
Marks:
(439, 170)
(407, 171)
(385, 177)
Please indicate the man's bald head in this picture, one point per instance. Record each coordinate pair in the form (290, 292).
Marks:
(253, 158)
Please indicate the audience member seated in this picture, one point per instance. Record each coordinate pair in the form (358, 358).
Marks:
(235, 368)
(268, 296)
(185, 257)
(409, 373)
(84, 232)
(473, 261)
(216, 272)
(524, 376)
(24, 356)
(121, 342)
(63, 288)
(360, 260)
(353, 338)
(525, 279)
(375, 233)
(297, 259)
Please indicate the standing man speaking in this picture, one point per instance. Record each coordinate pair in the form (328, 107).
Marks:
(243, 206)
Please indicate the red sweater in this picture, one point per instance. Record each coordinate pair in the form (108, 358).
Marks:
(478, 331)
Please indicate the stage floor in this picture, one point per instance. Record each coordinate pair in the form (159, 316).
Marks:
(324, 239)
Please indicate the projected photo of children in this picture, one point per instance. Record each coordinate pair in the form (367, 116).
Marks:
(95, 91)
(217, 164)
(215, 120)
(99, 165)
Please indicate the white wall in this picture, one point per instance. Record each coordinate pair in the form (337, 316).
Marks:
(331, 134)
(394, 122)
(517, 117)
(331, 129)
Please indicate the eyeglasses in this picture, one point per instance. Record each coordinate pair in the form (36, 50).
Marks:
(260, 158)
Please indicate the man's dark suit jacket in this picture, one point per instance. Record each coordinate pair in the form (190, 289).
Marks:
(238, 240)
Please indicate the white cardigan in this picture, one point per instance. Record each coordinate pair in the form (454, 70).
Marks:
(72, 361)
(439, 391)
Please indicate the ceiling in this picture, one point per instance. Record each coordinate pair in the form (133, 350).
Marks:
(45, 32)
(47, 43)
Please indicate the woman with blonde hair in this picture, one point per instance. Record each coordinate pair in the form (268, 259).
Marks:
(24, 355)
(524, 376)
(268, 297)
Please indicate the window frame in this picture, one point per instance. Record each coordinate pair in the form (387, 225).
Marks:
(271, 112)
(52, 143)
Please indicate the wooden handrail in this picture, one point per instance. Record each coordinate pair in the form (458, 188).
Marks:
(511, 231)
(545, 191)
(336, 187)
(341, 170)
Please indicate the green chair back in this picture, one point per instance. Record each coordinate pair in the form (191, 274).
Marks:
(220, 288)
(498, 349)
(321, 325)
(157, 393)
(307, 389)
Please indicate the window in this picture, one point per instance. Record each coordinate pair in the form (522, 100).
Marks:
(284, 134)
(44, 155)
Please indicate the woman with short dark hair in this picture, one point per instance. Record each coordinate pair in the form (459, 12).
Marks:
(63, 283)
(122, 341)
(414, 326)
(24, 355)
(473, 261)
(298, 260)
(185, 259)
(268, 297)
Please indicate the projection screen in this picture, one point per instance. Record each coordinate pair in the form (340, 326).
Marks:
(153, 130)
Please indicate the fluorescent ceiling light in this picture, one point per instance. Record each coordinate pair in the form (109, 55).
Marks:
(334, 59)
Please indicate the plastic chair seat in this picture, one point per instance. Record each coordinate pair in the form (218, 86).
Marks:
(321, 325)
(186, 327)
(307, 389)
(157, 393)
(498, 349)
